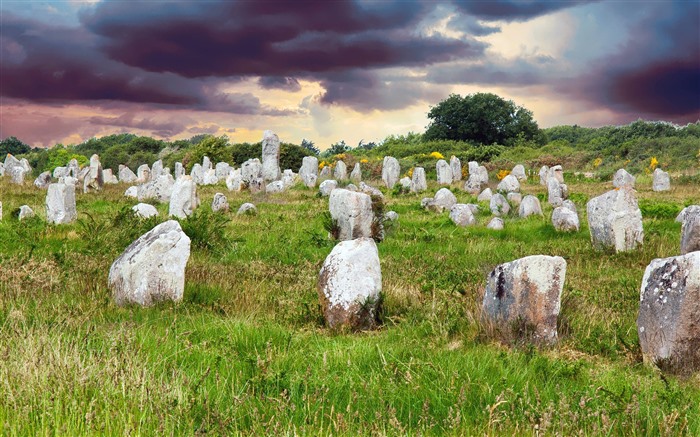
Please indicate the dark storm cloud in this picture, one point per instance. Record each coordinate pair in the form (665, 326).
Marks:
(514, 10)
(280, 83)
(161, 128)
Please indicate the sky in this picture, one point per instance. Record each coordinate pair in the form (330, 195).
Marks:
(335, 70)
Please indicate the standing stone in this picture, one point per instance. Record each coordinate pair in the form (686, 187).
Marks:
(690, 232)
(662, 181)
(473, 185)
(60, 204)
(152, 268)
(132, 192)
(556, 172)
(685, 212)
(183, 200)
(472, 167)
(126, 175)
(309, 171)
(341, 171)
(418, 181)
(499, 205)
(456, 167)
(390, 171)
(222, 170)
(209, 177)
(669, 313)
(519, 172)
(74, 167)
(327, 187)
(43, 180)
(144, 210)
(25, 212)
(526, 291)
(247, 209)
(289, 178)
(197, 173)
(367, 189)
(495, 224)
(15, 169)
(555, 192)
(509, 184)
(514, 199)
(622, 178)
(350, 285)
(83, 173)
(94, 179)
(356, 173)
(353, 213)
(270, 156)
(530, 206)
(570, 205)
(325, 172)
(405, 183)
(485, 196)
(220, 203)
(179, 170)
(544, 173)
(234, 181)
(60, 172)
(461, 215)
(206, 164)
(251, 170)
(565, 220)
(443, 201)
(159, 189)
(275, 187)
(143, 174)
(444, 172)
(256, 185)
(156, 169)
(615, 221)
(109, 177)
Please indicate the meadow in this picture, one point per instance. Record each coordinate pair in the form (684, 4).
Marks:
(247, 352)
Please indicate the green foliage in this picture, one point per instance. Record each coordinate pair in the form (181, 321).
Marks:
(483, 118)
(216, 148)
(336, 149)
(659, 209)
(14, 146)
(310, 146)
(207, 229)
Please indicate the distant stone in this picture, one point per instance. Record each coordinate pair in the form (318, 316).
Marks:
(514, 199)
(340, 172)
(472, 167)
(94, 179)
(15, 169)
(83, 173)
(461, 215)
(126, 175)
(473, 185)
(222, 169)
(519, 172)
(179, 170)
(145, 210)
(60, 204)
(418, 181)
(74, 168)
(443, 201)
(209, 177)
(669, 306)
(143, 173)
(368, 189)
(556, 172)
(615, 221)
(159, 189)
(565, 220)
(234, 181)
(60, 172)
(509, 184)
(156, 169)
(485, 196)
(444, 172)
(495, 224)
(405, 183)
(544, 172)
(530, 206)
(690, 232)
(220, 203)
(132, 192)
(183, 200)
(325, 172)
(353, 213)
(622, 178)
(556, 192)
(270, 156)
(390, 171)
(109, 177)
(456, 167)
(309, 171)
(499, 205)
(43, 180)
(247, 209)
(256, 185)
(206, 164)
(391, 216)
(356, 173)
(350, 285)
(25, 212)
(289, 178)
(327, 187)
(662, 181)
(152, 268)
(523, 297)
(352, 187)
(275, 187)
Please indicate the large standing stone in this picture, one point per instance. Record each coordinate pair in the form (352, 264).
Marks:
(350, 285)
(692, 209)
(390, 171)
(156, 169)
(183, 200)
(143, 173)
(622, 178)
(251, 170)
(144, 210)
(556, 172)
(94, 179)
(327, 187)
(220, 203)
(43, 180)
(690, 232)
(126, 175)
(669, 313)
(418, 181)
(473, 185)
(341, 171)
(544, 173)
(352, 212)
(109, 177)
(74, 168)
(525, 295)
(530, 205)
(270, 156)
(499, 205)
(472, 167)
(662, 181)
(60, 172)
(443, 201)
(615, 221)
(461, 215)
(15, 169)
(309, 171)
(519, 172)
(60, 204)
(456, 167)
(509, 184)
(152, 268)
(234, 180)
(444, 172)
(356, 173)
(565, 220)
(159, 189)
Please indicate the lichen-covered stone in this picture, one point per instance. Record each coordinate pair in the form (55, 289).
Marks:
(352, 212)
(615, 221)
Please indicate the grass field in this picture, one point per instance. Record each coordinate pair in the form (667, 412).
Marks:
(246, 351)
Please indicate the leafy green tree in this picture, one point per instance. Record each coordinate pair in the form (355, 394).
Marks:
(310, 146)
(14, 146)
(336, 149)
(482, 118)
(216, 148)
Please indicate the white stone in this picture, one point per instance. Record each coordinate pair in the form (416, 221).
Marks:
(289, 178)
(220, 203)
(152, 268)
(690, 231)
(156, 169)
(309, 171)
(356, 173)
(270, 156)
(509, 184)
(179, 170)
(248, 209)
(340, 172)
(456, 167)
(60, 203)
(499, 205)
(570, 205)
(556, 192)
(556, 172)
(685, 212)
(197, 173)
(370, 190)
(444, 172)
(222, 170)
(662, 181)
(132, 192)
(495, 224)
(183, 199)
(443, 200)
(615, 221)
(25, 212)
(565, 220)
(461, 215)
(391, 216)
(544, 173)
(405, 183)
(159, 189)
(485, 195)
(145, 210)
(209, 177)
(327, 187)
(126, 175)
(206, 164)
(623, 178)
(109, 177)
(275, 187)
(418, 180)
(43, 180)
(143, 173)
(514, 199)
(352, 212)
(60, 172)
(234, 181)
(519, 172)
(390, 171)
(530, 206)
(251, 170)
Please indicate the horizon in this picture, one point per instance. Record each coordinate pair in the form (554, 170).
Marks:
(347, 70)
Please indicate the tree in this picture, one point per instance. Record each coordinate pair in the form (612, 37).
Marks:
(482, 118)
(12, 145)
(310, 146)
(215, 148)
(336, 149)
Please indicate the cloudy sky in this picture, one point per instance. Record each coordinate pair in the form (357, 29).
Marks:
(335, 69)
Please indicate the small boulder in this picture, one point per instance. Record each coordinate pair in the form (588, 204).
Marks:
(43, 180)
(25, 212)
(461, 215)
(485, 196)
(405, 183)
(662, 181)
(519, 172)
(565, 220)
(183, 200)
(391, 216)
(327, 187)
(530, 206)
(220, 203)
(247, 209)
(509, 184)
(275, 187)
(495, 224)
(309, 171)
(418, 180)
(126, 175)
(622, 178)
(498, 205)
(443, 201)
(514, 199)
(145, 210)
(132, 192)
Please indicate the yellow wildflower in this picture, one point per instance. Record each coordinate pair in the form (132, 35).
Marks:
(437, 155)
(502, 173)
(653, 163)
(597, 162)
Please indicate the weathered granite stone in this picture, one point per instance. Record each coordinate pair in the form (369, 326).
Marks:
(690, 232)
(669, 313)
(544, 173)
(524, 297)
(570, 205)
(390, 171)
(325, 172)
(391, 216)
(485, 196)
(495, 224)
(529, 206)
(418, 181)
(309, 171)
(94, 179)
(275, 187)
(25, 212)
(443, 201)
(247, 209)
(350, 285)
(356, 173)
(509, 184)
(156, 169)
(251, 170)
(256, 185)
(353, 213)
(352, 187)
(143, 174)
(209, 177)
(615, 221)
(152, 268)
(220, 203)
(456, 167)
(270, 156)
(179, 170)
(145, 210)
(341, 171)
(556, 172)
(444, 172)
(132, 192)
(367, 189)
(60, 172)
(565, 220)
(519, 172)
(499, 205)
(74, 168)
(405, 183)
(60, 204)
(222, 169)
(234, 181)
(461, 215)
(159, 189)
(206, 164)
(126, 175)
(514, 199)
(289, 178)
(556, 192)
(109, 177)
(43, 180)
(623, 178)
(692, 209)
(327, 187)
(183, 199)
(15, 169)
(662, 181)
